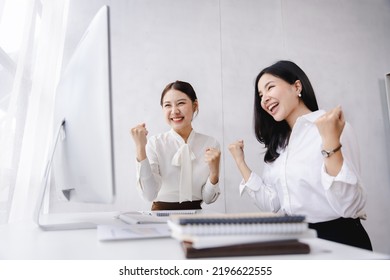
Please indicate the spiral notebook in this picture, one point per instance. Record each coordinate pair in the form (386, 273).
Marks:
(243, 223)
(222, 229)
(236, 218)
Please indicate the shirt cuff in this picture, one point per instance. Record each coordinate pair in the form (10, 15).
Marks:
(346, 175)
(211, 192)
(252, 185)
(143, 170)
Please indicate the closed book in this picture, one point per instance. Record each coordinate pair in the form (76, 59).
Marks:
(209, 241)
(278, 247)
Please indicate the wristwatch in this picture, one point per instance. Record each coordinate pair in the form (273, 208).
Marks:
(327, 154)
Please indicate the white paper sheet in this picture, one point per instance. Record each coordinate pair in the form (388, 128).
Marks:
(136, 231)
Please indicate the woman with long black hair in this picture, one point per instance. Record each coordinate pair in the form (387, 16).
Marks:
(311, 159)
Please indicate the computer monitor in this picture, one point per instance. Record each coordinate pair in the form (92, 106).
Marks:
(82, 154)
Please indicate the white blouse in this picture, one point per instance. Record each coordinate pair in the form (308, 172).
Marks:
(297, 183)
(159, 175)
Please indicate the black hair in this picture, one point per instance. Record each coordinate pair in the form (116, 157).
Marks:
(269, 132)
(184, 87)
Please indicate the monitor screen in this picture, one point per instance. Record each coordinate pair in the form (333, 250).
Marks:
(83, 162)
(81, 157)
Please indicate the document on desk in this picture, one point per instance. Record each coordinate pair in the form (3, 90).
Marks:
(151, 217)
(141, 218)
(136, 231)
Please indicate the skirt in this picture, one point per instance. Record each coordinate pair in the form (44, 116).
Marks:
(343, 230)
(186, 205)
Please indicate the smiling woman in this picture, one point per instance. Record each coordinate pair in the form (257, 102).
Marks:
(299, 178)
(178, 169)
(202, 42)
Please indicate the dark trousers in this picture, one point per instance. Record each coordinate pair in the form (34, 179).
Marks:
(185, 205)
(343, 230)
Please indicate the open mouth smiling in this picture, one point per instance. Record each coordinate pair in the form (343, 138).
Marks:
(272, 107)
(177, 119)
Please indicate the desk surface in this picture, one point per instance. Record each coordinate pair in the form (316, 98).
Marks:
(28, 241)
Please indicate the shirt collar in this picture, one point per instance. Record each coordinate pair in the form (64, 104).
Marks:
(180, 139)
(313, 116)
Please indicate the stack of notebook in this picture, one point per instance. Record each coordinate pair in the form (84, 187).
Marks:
(244, 234)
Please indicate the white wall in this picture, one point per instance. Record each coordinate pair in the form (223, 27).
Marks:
(219, 47)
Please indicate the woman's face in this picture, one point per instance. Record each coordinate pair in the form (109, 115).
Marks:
(178, 111)
(279, 98)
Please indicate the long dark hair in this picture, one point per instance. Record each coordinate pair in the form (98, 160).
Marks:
(269, 132)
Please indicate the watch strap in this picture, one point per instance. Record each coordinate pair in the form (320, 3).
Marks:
(327, 154)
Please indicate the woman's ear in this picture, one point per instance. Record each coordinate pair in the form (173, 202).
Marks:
(195, 106)
(298, 86)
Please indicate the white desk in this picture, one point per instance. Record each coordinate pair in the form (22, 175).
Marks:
(27, 241)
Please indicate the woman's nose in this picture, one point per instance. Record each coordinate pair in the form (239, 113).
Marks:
(264, 98)
(175, 109)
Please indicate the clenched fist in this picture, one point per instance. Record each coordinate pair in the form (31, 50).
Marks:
(330, 127)
(212, 157)
(139, 134)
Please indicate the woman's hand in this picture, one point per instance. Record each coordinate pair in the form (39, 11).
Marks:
(330, 127)
(139, 134)
(237, 151)
(212, 156)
